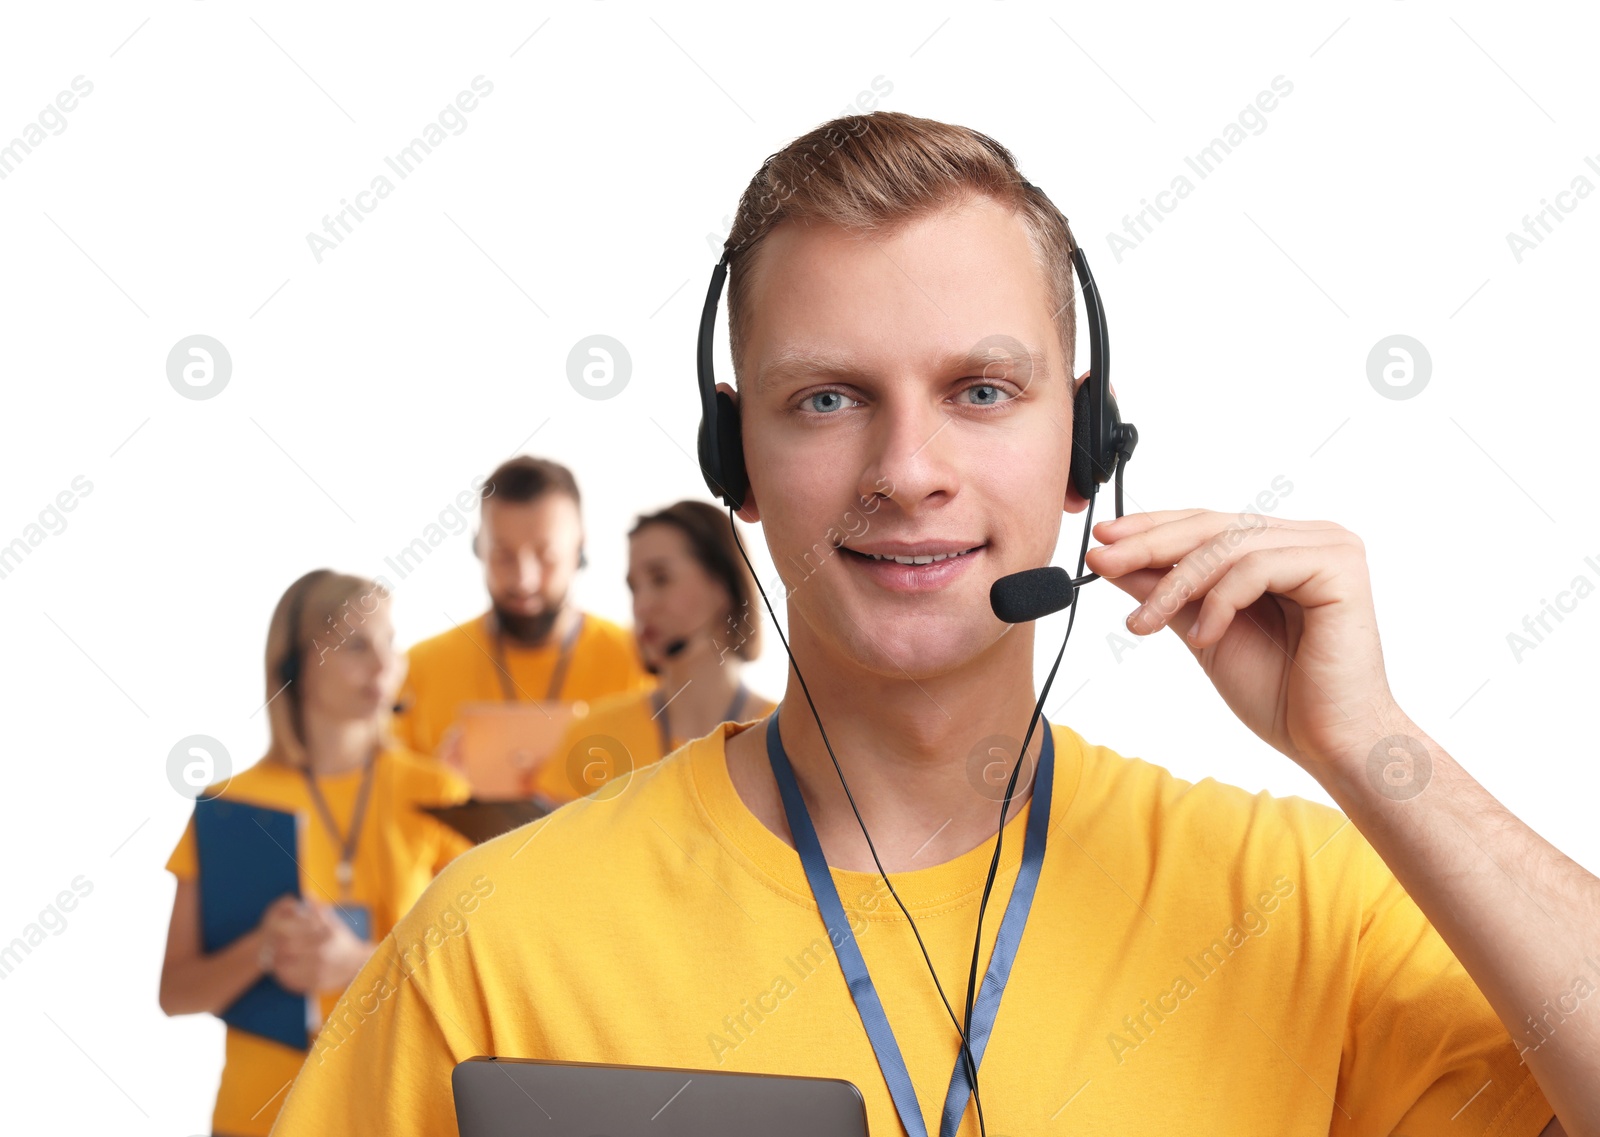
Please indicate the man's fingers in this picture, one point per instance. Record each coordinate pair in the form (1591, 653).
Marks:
(1205, 537)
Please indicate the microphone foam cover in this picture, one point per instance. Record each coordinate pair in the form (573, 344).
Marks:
(1031, 594)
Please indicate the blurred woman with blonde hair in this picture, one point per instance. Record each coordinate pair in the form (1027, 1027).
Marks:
(367, 850)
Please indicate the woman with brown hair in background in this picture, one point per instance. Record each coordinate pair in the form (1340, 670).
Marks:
(696, 622)
(331, 676)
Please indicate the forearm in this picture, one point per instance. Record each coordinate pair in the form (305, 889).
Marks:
(209, 983)
(1523, 918)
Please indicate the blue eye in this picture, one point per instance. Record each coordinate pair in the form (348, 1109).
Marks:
(994, 394)
(837, 399)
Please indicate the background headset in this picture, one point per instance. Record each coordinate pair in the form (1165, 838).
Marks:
(1101, 446)
(292, 665)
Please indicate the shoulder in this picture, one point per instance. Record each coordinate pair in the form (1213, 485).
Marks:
(265, 779)
(565, 874)
(448, 644)
(599, 632)
(557, 853)
(617, 706)
(264, 784)
(417, 775)
(1145, 804)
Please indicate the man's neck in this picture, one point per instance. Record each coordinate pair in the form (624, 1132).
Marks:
(926, 759)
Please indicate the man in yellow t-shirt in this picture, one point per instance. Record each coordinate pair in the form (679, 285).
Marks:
(1189, 947)
(533, 643)
(1197, 959)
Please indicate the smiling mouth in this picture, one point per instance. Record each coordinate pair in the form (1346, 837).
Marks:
(917, 559)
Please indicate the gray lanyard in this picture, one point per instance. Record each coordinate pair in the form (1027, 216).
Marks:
(345, 872)
(556, 676)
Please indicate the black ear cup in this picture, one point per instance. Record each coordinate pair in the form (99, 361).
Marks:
(725, 477)
(1082, 460)
(1115, 447)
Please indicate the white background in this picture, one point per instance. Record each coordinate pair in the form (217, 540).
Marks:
(369, 389)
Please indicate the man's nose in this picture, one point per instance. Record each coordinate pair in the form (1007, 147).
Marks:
(530, 572)
(908, 451)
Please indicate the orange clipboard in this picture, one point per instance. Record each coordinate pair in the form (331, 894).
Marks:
(503, 745)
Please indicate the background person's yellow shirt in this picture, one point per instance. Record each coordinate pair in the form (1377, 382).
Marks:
(586, 757)
(457, 666)
(1198, 960)
(399, 852)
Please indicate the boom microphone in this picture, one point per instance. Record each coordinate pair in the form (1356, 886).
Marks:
(1033, 593)
(669, 649)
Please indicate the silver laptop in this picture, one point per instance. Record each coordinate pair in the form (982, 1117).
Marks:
(498, 1097)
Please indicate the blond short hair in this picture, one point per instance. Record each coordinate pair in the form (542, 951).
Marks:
(873, 173)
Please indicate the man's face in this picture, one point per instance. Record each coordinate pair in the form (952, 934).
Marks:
(878, 412)
(530, 553)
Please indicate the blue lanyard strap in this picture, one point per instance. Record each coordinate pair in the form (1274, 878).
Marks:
(987, 1002)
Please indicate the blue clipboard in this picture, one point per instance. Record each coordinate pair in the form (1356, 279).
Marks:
(248, 859)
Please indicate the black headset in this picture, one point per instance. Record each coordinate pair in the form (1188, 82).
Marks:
(1101, 446)
(1099, 436)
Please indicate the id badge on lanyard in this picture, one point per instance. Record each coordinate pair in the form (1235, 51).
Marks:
(356, 917)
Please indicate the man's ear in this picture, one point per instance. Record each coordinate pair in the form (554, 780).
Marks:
(749, 512)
